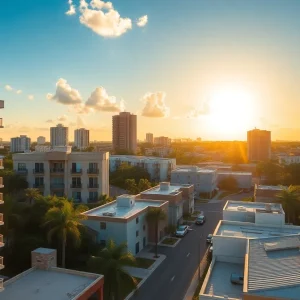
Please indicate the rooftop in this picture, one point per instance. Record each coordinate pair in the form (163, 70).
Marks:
(274, 265)
(235, 173)
(269, 187)
(166, 189)
(56, 283)
(193, 169)
(253, 231)
(253, 207)
(154, 158)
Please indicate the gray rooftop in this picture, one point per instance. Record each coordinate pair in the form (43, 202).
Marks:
(172, 189)
(193, 169)
(269, 187)
(154, 158)
(36, 284)
(253, 206)
(274, 265)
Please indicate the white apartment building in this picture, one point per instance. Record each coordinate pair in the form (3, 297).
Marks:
(243, 179)
(41, 140)
(42, 148)
(288, 159)
(158, 168)
(81, 138)
(59, 135)
(20, 144)
(149, 138)
(82, 176)
(204, 180)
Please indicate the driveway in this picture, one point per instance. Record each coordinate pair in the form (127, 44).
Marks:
(172, 278)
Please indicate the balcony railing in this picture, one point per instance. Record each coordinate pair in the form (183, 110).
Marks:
(38, 186)
(76, 185)
(1, 240)
(57, 170)
(38, 171)
(1, 219)
(93, 186)
(92, 200)
(93, 171)
(1, 264)
(22, 171)
(57, 186)
(73, 171)
(1, 182)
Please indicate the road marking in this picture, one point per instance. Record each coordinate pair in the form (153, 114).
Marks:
(188, 254)
(172, 278)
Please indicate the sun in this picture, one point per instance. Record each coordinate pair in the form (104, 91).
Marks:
(231, 109)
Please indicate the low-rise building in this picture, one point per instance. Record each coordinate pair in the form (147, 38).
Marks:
(162, 140)
(266, 193)
(204, 180)
(124, 220)
(288, 159)
(20, 144)
(82, 176)
(180, 198)
(243, 179)
(158, 151)
(47, 282)
(158, 168)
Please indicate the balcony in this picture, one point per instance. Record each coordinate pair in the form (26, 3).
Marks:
(73, 171)
(38, 171)
(1, 198)
(1, 183)
(38, 186)
(1, 219)
(57, 186)
(93, 171)
(1, 241)
(57, 171)
(93, 186)
(76, 185)
(22, 171)
(1, 264)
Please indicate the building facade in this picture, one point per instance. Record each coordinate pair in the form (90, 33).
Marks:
(243, 179)
(149, 138)
(259, 145)
(158, 168)
(124, 132)
(20, 144)
(82, 176)
(158, 151)
(59, 135)
(81, 138)
(267, 193)
(162, 141)
(288, 159)
(41, 140)
(1, 202)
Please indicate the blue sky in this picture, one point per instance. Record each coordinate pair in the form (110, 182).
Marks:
(188, 50)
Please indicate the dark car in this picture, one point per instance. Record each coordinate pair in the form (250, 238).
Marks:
(237, 278)
(200, 220)
(209, 238)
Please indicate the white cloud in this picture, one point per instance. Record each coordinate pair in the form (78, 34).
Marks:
(142, 21)
(80, 122)
(8, 88)
(62, 118)
(19, 92)
(101, 4)
(72, 10)
(197, 113)
(49, 121)
(65, 94)
(72, 124)
(155, 106)
(83, 4)
(30, 97)
(99, 100)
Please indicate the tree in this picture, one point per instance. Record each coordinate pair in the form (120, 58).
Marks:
(12, 182)
(131, 186)
(154, 216)
(228, 183)
(110, 262)
(64, 221)
(144, 184)
(104, 199)
(289, 198)
(32, 194)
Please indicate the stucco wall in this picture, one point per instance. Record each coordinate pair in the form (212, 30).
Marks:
(229, 246)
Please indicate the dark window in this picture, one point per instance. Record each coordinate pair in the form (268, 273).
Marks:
(144, 227)
(137, 233)
(102, 225)
(137, 220)
(21, 166)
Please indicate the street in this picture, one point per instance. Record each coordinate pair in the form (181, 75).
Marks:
(173, 277)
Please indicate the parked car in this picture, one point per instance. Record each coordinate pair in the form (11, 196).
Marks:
(200, 220)
(209, 239)
(182, 230)
(211, 248)
(237, 279)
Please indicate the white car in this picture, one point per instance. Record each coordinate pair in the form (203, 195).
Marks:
(182, 230)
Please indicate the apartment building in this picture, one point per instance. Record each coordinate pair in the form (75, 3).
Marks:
(20, 144)
(59, 136)
(149, 138)
(1, 202)
(82, 176)
(204, 180)
(124, 220)
(287, 159)
(124, 132)
(162, 141)
(259, 145)
(159, 151)
(44, 280)
(243, 179)
(179, 197)
(158, 168)
(266, 193)
(81, 138)
(41, 140)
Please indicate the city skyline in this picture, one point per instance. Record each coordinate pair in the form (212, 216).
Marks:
(209, 75)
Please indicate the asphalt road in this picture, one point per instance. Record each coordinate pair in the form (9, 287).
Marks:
(173, 277)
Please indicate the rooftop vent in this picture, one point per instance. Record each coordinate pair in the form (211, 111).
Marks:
(164, 186)
(268, 207)
(109, 214)
(241, 208)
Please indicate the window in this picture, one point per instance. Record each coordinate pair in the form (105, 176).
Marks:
(21, 166)
(93, 181)
(137, 220)
(39, 167)
(102, 225)
(137, 233)
(144, 227)
(93, 196)
(76, 196)
(38, 181)
(76, 181)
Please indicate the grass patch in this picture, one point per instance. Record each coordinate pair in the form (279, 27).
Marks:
(144, 263)
(169, 241)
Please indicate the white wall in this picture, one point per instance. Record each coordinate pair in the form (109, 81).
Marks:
(229, 246)
(241, 216)
(270, 219)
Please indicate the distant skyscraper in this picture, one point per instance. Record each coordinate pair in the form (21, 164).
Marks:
(124, 132)
(259, 145)
(41, 140)
(162, 140)
(20, 144)
(59, 135)
(81, 138)
(149, 138)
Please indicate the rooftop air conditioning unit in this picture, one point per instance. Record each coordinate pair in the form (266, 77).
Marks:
(109, 214)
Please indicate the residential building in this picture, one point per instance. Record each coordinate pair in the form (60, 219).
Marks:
(243, 179)
(158, 168)
(204, 180)
(266, 193)
(42, 148)
(41, 140)
(149, 138)
(179, 197)
(124, 220)
(162, 141)
(81, 138)
(83, 176)
(288, 159)
(44, 280)
(20, 144)
(259, 145)
(124, 132)
(1, 202)
(159, 151)
(59, 135)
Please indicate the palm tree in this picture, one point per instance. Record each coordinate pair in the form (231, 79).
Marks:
(154, 216)
(289, 198)
(64, 221)
(31, 194)
(104, 199)
(110, 262)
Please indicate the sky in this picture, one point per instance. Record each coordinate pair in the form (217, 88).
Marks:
(188, 68)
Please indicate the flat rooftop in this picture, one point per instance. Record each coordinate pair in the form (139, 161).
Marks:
(235, 173)
(253, 207)
(252, 231)
(274, 265)
(219, 283)
(193, 169)
(172, 189)
(36, 284)
(122, 212)
(154, 158)
(269, 187)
